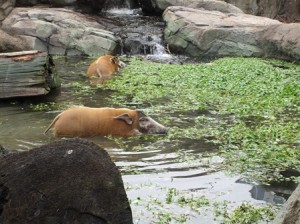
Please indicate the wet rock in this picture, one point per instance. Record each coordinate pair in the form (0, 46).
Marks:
(290, 213)
(210, 34)
(64, 31)
(69, 181)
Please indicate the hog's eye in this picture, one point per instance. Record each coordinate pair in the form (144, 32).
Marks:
(143, 119)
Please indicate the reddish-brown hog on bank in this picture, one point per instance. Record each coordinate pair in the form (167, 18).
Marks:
(88, 122)
(104, 66)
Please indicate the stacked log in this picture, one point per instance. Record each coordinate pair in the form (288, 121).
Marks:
(27, 73)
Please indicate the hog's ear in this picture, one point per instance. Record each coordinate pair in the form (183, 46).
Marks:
(124, 117)
(114, 60)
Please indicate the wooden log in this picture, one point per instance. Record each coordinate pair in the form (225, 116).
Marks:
(27, 73)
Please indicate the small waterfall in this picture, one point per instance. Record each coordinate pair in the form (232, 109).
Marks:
(139, 34)
(121, 4)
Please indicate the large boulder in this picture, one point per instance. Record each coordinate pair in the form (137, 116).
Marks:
(68, 181)
(290, 213)
(264, 8)
(63, 31)
(286, 10)
(282, 41)
(158, 6)
(202, 33)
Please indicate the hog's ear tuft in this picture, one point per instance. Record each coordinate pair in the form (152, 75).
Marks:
(124, 117)
(114, 60)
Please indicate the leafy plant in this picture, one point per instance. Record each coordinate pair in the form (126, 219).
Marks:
(248, 214)
(248, 107)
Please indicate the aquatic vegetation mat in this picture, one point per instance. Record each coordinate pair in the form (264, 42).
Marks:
(247, 107)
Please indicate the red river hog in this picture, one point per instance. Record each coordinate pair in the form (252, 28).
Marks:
(88, 122)
(104, 66)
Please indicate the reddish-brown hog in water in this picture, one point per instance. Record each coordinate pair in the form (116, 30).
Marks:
(88, 122)
(104, 67)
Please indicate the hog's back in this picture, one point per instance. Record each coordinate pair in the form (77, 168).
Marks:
(88, 122)
(104, 65)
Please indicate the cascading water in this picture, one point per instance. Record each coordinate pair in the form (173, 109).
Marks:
(139, 34)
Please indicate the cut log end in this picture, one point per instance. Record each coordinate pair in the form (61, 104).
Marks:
(27, 73)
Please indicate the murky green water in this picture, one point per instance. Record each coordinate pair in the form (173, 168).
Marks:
(148, 173)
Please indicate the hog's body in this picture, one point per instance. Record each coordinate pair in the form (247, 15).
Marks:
(87, 122)
(105, 66)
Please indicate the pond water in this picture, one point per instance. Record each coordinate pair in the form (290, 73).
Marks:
(151, 174)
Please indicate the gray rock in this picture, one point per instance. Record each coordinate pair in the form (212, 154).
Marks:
(159, 6)
(285, 10)
(66, 31)
(202, 33)
(68, 181)
(6, 6)
(258, 7)
(290, 213)
(282, 41)
(10, 43)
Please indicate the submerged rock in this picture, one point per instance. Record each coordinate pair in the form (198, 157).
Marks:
(70, 181)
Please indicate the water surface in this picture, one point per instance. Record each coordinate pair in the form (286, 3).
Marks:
(148, 172)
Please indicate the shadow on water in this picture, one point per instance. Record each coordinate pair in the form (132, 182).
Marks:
(151, 165)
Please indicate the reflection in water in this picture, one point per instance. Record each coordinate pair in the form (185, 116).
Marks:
(260, 193)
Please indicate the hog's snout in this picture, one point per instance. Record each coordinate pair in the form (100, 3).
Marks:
(121, 64)
(149, 126)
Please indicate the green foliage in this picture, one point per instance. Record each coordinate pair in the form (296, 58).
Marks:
(82, 89)
(184, 206)
(193, 202)
(42, 106)
(170, 194)
(248, 107)
(246, 87)
(248, 214)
